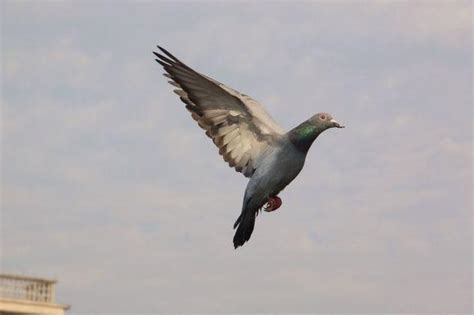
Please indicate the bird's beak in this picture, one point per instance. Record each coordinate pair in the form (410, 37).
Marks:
(336, 124)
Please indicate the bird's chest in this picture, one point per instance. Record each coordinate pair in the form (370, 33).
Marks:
(284, 167)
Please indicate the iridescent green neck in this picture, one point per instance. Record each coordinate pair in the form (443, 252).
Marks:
(304, 135)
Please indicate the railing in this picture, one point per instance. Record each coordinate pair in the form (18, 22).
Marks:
(27, 288)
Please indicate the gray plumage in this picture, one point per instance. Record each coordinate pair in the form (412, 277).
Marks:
(247, 137)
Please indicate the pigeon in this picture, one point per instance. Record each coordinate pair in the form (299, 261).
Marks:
(247, 137)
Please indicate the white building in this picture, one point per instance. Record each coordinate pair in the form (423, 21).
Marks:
(28, 295)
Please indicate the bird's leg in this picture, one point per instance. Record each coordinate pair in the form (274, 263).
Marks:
(272, 204)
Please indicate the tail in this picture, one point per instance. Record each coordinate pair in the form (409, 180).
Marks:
(244, 224)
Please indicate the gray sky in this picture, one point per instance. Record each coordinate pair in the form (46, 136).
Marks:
(110, 187)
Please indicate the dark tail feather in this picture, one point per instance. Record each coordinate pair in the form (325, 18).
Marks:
(245, 224)
(238, 221)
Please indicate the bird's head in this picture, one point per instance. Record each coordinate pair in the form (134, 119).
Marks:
(303, 135)
(325, 121)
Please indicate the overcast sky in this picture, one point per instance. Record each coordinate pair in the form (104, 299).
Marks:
(111, 188)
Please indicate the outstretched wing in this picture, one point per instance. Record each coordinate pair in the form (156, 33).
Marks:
(238, 125)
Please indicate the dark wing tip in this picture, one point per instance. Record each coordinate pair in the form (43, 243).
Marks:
(167, 53)
(164, 59)
(162, 63)
(160, 48)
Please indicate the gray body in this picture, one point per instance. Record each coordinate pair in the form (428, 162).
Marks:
(279, 166)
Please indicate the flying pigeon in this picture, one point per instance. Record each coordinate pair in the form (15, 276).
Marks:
(247, 137)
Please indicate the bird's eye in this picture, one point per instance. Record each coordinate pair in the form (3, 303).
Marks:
(322, 117)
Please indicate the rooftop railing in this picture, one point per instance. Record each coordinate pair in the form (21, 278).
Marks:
(27, 288)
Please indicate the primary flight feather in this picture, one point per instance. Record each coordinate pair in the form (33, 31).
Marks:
(247, 137)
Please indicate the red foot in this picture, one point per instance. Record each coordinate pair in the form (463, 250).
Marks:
(273, 203)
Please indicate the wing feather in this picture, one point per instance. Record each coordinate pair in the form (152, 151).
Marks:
(238, 125)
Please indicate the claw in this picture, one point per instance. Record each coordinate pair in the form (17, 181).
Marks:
(272, 204)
